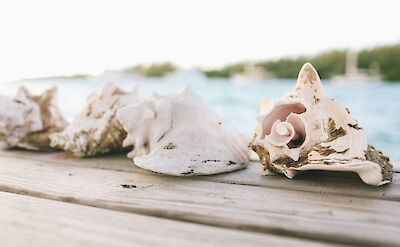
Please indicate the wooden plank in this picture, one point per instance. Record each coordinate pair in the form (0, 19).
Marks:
(29, 221)
(59, 156)
(326, 217)
(325, 182)
(116, 161)
(313, 181)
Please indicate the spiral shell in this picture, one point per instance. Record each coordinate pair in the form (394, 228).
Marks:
(319, 134)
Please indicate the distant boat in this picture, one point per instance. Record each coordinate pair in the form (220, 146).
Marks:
(117, 76)
(250, 74)
(191, 75)
(354, 75)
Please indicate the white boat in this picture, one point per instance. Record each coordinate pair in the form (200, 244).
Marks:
(116, 76)
(354, 75)
(250, 74)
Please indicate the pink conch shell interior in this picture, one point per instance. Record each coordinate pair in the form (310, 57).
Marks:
(288, 127)
(281, 133)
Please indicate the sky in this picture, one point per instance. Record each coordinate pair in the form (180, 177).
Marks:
(48, 38)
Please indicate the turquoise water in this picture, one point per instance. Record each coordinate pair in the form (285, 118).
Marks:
(376, 107)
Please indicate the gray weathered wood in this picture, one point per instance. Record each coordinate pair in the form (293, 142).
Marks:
(340, 219)
(29, 221)
(313, 181)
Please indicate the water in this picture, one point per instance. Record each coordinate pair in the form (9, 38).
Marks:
(376, 107)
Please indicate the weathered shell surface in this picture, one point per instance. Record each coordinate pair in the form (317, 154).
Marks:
(179, 134)
(96, 129)
(307, 130)
(28, 120)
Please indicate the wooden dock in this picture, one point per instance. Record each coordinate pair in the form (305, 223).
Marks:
(52, 199)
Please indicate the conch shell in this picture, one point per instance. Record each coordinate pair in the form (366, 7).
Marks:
(180, 135)
(307, 130)
(96, 129)
(27, 120)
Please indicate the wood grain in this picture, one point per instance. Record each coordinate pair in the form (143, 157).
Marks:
(336, 183)
(310, 215)
(28, 221)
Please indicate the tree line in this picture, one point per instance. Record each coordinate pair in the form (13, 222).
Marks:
(385, 59)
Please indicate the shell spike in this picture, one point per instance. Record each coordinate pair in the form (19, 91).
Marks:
(23, 92)
(49, 95)
(309, 82)
(187, 91)
(109, 89)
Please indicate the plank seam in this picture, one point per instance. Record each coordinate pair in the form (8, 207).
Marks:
(198, 219)
(211, 180)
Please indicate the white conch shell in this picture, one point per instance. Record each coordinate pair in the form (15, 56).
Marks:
(27, 120)
(96, 129)
(179, 134)
(307, 130)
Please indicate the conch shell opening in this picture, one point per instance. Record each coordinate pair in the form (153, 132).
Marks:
(290, 132)
(283, 126)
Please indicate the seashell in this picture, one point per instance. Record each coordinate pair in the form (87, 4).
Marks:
(179, 134)
(96, 130)
(307, 130)
(27, 120)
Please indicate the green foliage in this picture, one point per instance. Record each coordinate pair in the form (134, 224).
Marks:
(327, 64)
(385, 58)
(330, 63)
(154, 69)
(284, 68)
(226, 71)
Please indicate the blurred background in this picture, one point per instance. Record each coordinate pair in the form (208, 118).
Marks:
(233, 53)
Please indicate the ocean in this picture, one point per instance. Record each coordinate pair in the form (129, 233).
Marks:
(376, 106)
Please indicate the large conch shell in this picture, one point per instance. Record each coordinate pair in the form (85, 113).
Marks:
(96, 129)
(27, 120)
(307, 130)
(179, 134)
